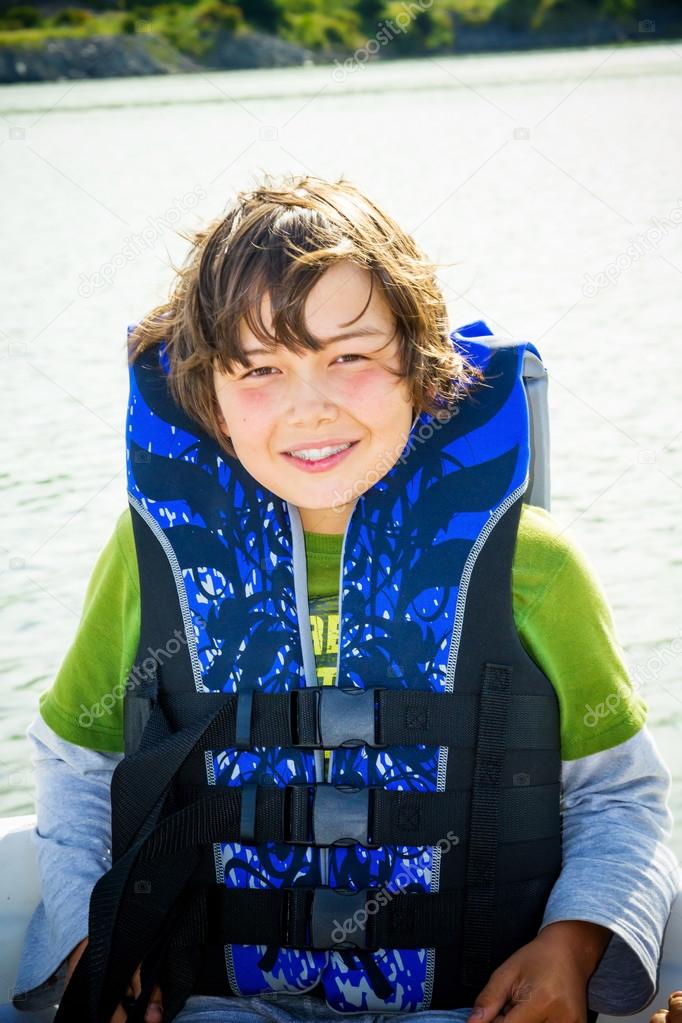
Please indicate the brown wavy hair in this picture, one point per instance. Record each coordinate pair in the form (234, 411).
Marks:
(279, 238)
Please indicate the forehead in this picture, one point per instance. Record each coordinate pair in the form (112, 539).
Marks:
(344, 299)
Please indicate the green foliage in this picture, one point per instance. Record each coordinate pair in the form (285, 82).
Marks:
(173, 24)
(321, 24)
(517, 14)
(370, 12)
(414, 28)
(218, 16)
(264, 14)
(619, 8)
(401, 27)
(23, 16)
(72, 16)
(192, 30)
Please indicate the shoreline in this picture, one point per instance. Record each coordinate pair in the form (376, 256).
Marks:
(111, 56)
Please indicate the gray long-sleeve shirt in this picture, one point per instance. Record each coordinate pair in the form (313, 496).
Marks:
(618, 869)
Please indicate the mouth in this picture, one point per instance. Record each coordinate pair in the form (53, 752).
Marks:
(318, 459)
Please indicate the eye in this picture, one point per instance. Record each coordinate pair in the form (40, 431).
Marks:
(257, 372)
(351, 356)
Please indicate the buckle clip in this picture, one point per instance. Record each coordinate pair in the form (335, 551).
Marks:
(347, 717)
(327, 815)
(332, 923)
(341, 815)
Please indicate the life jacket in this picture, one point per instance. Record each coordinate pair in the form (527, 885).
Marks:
(425, 858)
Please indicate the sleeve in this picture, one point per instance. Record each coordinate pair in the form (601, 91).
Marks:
(566, 624)
(85, 703)
(618, 869)
(72, 839)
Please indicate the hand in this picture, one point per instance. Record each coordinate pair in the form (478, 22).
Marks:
(673, 1014)
(154, 1011)
(545, 979)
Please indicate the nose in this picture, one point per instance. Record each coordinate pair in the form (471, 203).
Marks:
(308, 403)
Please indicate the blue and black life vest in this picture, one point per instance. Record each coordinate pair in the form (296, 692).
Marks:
(426, 857)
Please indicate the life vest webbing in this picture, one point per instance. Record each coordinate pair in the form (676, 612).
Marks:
(389, 717)
(486, 819)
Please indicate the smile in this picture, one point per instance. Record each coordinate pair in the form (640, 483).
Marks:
(319, 459)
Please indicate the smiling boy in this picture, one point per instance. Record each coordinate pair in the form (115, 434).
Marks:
(347, 395)
(255, 357)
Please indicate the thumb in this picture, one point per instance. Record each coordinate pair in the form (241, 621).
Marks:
(490, 1001)
(154, 1010)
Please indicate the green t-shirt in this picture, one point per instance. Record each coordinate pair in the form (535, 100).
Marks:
(560, 611)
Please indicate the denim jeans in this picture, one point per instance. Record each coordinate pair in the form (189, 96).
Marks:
(304, 1009)
(297, 1009)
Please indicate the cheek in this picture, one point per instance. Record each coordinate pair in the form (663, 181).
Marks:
(373, 384)
(251, 412)
(383, 401)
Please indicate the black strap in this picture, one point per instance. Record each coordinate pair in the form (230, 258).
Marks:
(326, 815)
(327, 717)
(130, 904)
(390, 916)
(317, 918)
(486, 814)
(141, 781)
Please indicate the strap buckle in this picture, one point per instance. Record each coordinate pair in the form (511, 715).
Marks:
(328, 815)
(348, 717)
(341, 815)
(334, 919)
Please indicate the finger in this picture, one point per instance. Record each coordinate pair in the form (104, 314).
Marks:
(527, 1011)
(675, 1005)
(154, 1011)
(120, 1015)
(660, 1016)
(491, 1000)
(132, 991)
(136, 983)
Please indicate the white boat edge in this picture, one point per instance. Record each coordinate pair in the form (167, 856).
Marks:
(20, 894)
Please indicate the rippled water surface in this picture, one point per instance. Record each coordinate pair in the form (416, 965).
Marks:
(550, 182)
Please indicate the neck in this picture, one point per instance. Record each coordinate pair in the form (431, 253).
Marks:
(326, 520)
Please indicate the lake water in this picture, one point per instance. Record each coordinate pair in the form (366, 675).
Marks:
(551, 182)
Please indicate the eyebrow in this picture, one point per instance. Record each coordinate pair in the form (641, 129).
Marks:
(358, 332)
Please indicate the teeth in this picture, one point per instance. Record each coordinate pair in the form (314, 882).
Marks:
(315, 454)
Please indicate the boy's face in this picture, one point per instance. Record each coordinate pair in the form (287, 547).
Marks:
(342, 393)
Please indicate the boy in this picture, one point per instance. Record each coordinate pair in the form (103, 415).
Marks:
(320, 423)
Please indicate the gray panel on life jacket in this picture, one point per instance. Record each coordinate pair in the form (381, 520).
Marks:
(535, 382)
